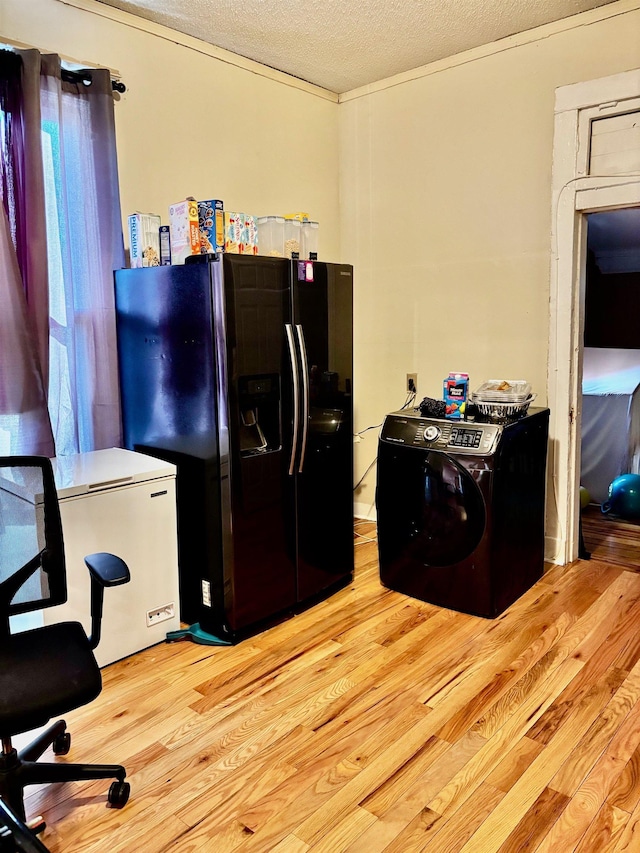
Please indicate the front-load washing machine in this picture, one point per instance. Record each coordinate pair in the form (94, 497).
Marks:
(461, 509)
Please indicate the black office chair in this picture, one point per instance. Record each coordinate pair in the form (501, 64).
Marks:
(48, 670)
(15, 836)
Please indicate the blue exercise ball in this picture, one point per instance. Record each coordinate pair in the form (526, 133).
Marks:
(624, 497)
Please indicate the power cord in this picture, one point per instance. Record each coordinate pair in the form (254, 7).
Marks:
(411, 396)
(361, 535)
(366, 429)
(409, 401)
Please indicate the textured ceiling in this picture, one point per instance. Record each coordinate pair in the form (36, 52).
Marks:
(344, 44)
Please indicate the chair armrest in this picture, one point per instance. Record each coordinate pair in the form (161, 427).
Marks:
(105, 570)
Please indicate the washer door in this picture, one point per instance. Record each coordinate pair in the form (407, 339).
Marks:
(453, 516)
(429, 507)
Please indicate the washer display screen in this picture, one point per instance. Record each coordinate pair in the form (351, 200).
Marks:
(465, 437)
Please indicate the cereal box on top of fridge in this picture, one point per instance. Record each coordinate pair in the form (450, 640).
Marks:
(233, 233)
(211, 225)
(250, 232)
(165, 246)
(144, 240)
(183, 229)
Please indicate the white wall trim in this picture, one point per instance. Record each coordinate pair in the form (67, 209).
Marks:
(364, 510)
(584, 19)
(127, 19)
(616, 87)
(575, 192)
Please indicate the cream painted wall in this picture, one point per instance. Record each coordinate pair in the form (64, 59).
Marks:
(439, 186)
(446, 197)
(190, 124)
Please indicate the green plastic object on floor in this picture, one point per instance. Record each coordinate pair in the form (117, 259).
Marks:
(196, 635)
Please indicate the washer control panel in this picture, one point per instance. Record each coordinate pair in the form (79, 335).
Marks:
(410, 428)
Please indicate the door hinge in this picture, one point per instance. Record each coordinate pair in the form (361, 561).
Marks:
(571, 415)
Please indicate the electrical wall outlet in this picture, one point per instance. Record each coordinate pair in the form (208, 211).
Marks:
(412, 383)
(161, 614)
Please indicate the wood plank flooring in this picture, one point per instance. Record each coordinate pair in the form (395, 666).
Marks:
(611, 539)
(374, 722)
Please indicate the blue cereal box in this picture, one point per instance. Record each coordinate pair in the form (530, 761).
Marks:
(211, 225)
(455, 389)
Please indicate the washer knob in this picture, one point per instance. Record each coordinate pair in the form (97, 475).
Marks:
(431, 433)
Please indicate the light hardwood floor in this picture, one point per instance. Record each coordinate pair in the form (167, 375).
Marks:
(375, 722)
(612, 539)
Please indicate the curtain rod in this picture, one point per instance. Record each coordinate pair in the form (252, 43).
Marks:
(116, 84)
(85, 74)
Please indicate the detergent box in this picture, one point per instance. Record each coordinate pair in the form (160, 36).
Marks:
(454, 393)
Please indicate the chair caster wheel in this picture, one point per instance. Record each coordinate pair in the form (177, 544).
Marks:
(62, 744)
(118, 794)
(36, 825)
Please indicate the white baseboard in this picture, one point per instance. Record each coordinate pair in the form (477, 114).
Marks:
(364, 510)
(554, 550)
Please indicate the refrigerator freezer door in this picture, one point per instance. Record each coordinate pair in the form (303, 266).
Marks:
(323, 314)
(169, 392)
(165, 353)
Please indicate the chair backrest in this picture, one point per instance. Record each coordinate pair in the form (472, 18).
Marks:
(32, 566)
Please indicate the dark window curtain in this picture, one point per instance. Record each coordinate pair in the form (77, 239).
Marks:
(24, 420)
(68, 240)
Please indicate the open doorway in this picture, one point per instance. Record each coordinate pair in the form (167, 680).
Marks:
(610, 424)
(596, 168)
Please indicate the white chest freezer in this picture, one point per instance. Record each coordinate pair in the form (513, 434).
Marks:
(124, 503)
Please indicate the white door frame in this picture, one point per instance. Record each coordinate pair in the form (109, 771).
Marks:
(574, 193)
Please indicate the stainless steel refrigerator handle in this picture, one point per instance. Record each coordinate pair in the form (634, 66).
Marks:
(305, 394)
(296, 396)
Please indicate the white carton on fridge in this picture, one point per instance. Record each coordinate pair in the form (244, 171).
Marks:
(144, 240)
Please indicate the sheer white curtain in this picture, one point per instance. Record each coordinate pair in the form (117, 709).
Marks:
(84, 246)
(23, 404)
(77, 227)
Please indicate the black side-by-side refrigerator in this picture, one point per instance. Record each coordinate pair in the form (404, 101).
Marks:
(239, 370)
